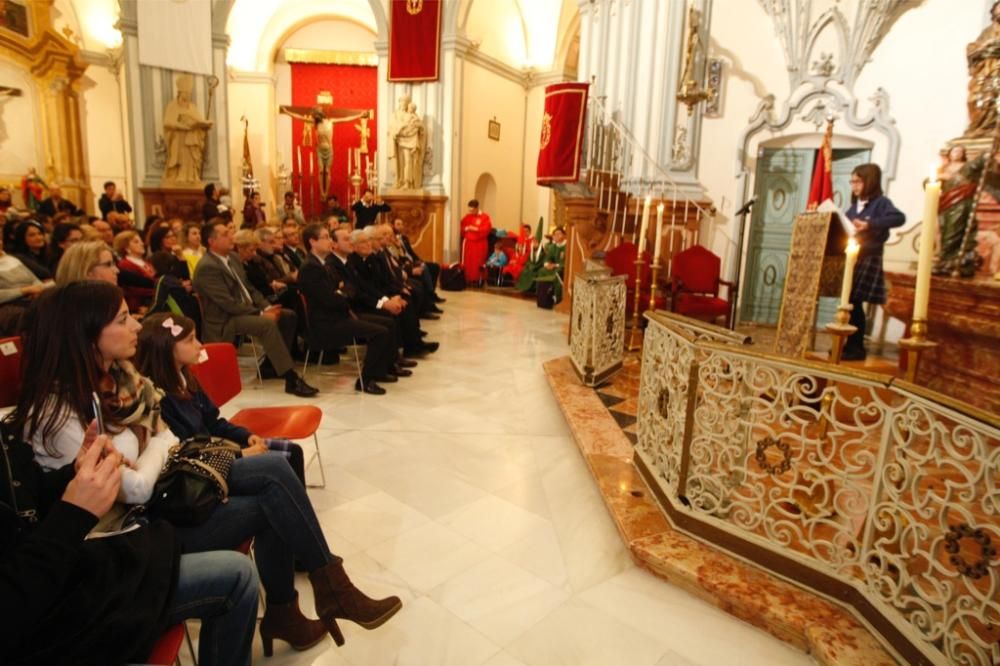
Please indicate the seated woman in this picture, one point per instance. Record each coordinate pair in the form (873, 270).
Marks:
(69, 600)
(81, 338)
(193, 250)
(163, 239)
(28, 244)
(18, 286)
(64, 236)
(168, 347)
(137, 277)
(173, 295)
(89, 260)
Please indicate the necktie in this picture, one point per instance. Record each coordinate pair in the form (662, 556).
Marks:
(243, 289)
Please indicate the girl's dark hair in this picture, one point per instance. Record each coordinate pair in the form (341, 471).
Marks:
(59, 234)
(155, 355)
(871, 176)
(156, 236)
(61, 358)
(17, 242)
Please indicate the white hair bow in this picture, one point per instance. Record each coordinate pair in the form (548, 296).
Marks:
(174, 329)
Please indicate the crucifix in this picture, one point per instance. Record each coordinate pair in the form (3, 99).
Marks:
(7, 91)
(320, 120)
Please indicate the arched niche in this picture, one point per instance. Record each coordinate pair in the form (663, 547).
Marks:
(486, 192)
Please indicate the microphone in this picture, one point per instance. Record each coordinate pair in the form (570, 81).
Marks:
(746, 207)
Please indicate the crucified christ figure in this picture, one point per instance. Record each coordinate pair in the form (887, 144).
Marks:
(321, 121)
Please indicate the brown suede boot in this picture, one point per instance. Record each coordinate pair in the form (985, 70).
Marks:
(336, 597)
(286, 622)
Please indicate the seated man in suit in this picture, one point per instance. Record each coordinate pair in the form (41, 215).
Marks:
(331, 321)
(400, 270)
(234, 307)
(426, 271)
(372, 274)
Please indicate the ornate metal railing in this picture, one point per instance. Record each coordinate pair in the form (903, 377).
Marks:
(868, 490)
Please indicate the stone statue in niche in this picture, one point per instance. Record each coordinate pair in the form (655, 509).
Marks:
(408, 137)
(983, 56)
(184, 133)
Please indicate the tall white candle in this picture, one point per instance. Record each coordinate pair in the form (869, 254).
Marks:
(645, 224)
(928, 236)
(659, 234)
(635, 225)
(850, 258)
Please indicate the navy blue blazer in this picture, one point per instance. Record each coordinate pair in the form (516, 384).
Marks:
(881, 216)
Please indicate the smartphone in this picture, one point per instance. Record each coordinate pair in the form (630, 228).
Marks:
(98, 414)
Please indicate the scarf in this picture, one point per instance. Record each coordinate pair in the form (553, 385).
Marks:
(130, 400)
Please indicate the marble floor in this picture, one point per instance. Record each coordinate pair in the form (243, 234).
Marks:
(463, 492)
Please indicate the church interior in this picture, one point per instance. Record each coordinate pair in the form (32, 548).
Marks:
(647, 332)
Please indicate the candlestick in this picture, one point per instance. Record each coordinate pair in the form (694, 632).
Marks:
(635, 225)
(850, 259)
(349, 150)
(652, 286)
(915, 345)
(644, 228)
(614, 216)
(840, 329)
(636, 322)
(600, 195)
(659, 237)
(928, 235)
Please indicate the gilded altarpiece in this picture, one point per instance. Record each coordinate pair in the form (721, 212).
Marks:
(56, 68)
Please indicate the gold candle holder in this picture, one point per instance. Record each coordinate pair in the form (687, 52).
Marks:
(652, 286)
(840, 330)
(915, 346)
(633, 345)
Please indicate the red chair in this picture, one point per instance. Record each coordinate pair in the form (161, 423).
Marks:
(695, 285)
(621, 261)
(10, 370)
(167, 650)
(219, 377)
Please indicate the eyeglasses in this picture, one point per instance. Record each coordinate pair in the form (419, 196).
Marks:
(856, 180)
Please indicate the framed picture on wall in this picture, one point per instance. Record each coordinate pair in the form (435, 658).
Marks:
(14, 17)
(494, 131)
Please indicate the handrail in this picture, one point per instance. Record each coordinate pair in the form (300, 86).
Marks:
(877, 494)
(598, 159)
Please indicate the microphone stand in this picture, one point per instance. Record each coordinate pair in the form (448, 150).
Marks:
(742, 212)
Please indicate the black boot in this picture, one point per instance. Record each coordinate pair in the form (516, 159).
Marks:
(295, 385)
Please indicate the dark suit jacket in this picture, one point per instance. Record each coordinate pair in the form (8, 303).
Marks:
(293, 255)
(221, 296)
(363, 295)
(49, 208)
(328, 304)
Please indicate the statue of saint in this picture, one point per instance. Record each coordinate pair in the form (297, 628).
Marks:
(983, 56)
(960, 178)
(409, 140)
(184, 133)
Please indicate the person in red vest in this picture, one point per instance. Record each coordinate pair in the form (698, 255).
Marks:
(476, 227)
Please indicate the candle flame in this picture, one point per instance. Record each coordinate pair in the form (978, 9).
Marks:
(649, 198)
(934, 172)
(852, 246)
(659, 209)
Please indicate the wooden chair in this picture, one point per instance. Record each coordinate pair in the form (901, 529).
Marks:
(11, 352)
(219, 377)
(695, 283)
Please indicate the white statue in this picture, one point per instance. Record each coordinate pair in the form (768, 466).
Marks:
(409, 141)
(184, 131)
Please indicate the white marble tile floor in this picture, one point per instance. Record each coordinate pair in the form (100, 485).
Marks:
(462, 491)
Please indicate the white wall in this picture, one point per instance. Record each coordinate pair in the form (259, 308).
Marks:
(21, 140)
(485, 95)
(104, 132)
(920, 63)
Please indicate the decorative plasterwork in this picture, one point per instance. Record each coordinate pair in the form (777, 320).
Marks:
(799, 34)
(810, 104)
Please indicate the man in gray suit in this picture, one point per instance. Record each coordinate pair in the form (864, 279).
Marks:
(234, 307)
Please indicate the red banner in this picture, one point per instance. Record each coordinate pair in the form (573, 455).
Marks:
(415, 40)
(821, 188)
(562, 133)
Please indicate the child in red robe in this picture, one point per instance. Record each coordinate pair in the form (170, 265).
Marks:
(476, 227)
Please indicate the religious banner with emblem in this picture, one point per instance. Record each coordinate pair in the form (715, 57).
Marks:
(562, 133)
(797, 319)
(415, 40)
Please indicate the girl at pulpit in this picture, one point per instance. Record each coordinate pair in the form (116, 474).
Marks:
(872, 215)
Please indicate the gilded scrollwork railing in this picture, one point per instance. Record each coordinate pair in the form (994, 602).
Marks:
(866, 489)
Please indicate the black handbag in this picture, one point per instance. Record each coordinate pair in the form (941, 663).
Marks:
(194, 480)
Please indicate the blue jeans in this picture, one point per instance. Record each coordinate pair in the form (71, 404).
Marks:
(267, 503)
(220, 589)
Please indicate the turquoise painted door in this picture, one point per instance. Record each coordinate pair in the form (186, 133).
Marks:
(782, 191)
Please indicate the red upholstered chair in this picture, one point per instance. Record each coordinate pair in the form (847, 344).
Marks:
(167, 650)
(219, 377)
(621, 261)
(695, 286)
(10, 371)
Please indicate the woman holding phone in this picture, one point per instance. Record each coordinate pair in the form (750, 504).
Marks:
(80, 338)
